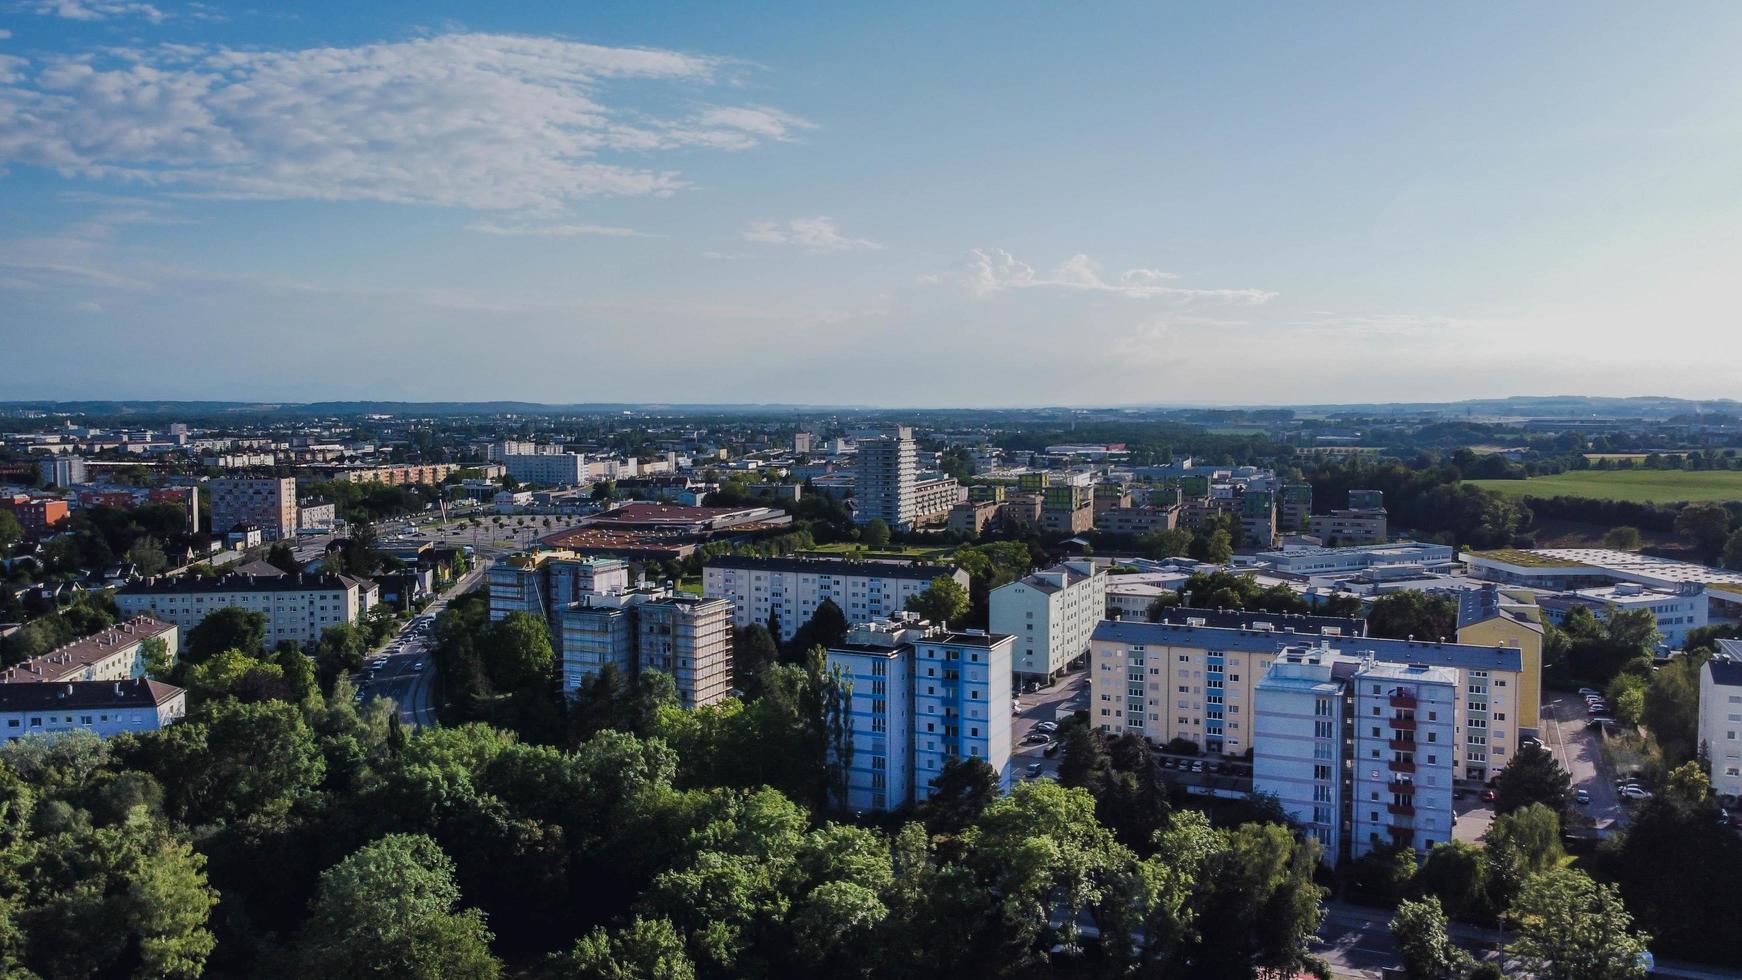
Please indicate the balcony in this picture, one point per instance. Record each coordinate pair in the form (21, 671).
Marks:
(1402, 787)
(1403, 836)
(1400, 809)
(1403, 701)
(1402, 744)
(1401, 724)
(1401, 765)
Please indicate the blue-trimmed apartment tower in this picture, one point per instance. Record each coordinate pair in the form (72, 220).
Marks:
(921, 695)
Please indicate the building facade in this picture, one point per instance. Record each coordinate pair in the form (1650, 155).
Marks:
(961, 704)
(877, 660)
(269, 502)
(547, 469)
(1721, 718)
(297, 607)
(791, 589)
(113, 654)
(105, 707)
(1052, 615)
(690, 638)
(884, 473)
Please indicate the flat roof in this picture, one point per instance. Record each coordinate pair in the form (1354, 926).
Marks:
(839, 567)
(1462, 655)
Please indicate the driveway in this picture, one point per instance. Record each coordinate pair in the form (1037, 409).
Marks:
(1043, 705)
(1579, 751)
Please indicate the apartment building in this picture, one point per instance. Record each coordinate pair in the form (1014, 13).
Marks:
(884, 474)
(1488, 617)
(113, 654)
(269, 502)
(970, 517)
(105, 707)
(36, 515)
(1361, 753)
(791, 589)
(961, 704)
(1295, 509)
(297, 607)
(316, 515)
(1137, 520)
(934, 497)
(690, 638)
(62, 470)
(1052, 615)
(877, 660)
(1721, 718)
(547, 469)
(543, 583)
(1200, 684)
(1257, 513)
(422, 474)
(1067, 508)
(1363, 522)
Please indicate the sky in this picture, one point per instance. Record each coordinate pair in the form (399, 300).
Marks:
(898, 204)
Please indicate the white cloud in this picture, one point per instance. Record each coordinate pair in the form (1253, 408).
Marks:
(482, 121)
(94, 9)
(554, 230)
(817, 234)
(991, 271)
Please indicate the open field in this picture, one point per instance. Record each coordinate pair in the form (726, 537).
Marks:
(1637, 486)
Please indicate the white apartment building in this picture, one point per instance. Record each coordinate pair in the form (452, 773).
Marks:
(1201, 683)
(933, 498)
(545, 582)
(791, 589)
(297, 607)
(1721, 717)
(884, 473)
(105, 707)
(1052, 613)
(113, 654)
(267, 501)
(690, 638)
(62, 470)
(1360, 753)
(961, 704)
(547, 469)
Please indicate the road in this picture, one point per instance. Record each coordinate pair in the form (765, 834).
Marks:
(1038, 707)
(1579, 751)
(406, 671)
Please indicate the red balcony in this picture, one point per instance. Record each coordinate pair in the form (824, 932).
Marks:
(1401, 765)
(1400, 809)
(1402, 786)
(1403, 836)
(1403, 701)
(1401, 724)
(1402, 744)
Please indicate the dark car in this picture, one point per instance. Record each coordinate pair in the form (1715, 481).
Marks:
(1489, 796)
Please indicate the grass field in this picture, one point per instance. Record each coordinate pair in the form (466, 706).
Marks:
(1638, 486)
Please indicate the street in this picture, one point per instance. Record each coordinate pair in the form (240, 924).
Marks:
(406, 671)
(1043, 705)
(1579, 751)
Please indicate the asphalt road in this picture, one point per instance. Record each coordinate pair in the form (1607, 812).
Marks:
(405, 671)
(1042, 706)
(1579, 751)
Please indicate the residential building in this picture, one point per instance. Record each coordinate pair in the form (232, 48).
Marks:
(316, 515)
(62, 470)
(1488, 617)
(884, 473)
(1296, 508)
(106, 708)
(297, 607)
(1067, 508)
(1052, 615)
(790, 589)
(1137, 520)
(1360, 752)
(543, 583)
(421, 474)
(1201, 686)
(1364, 522)
(1257, 513)
(1721, 718)
(116, 653)
(547, 469)
(1675, 611)
(877, 660)
(36, 515)
(933, 497)
(269, 502)
(690, 638)
(970, 517)
(961, 704)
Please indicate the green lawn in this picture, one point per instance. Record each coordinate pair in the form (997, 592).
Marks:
(1638, 486)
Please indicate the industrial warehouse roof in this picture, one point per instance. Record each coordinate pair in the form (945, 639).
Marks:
(1462, 655)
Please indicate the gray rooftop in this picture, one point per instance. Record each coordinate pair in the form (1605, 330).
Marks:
(1462, 655)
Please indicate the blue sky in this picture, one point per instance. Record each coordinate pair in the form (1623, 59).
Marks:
(900, 204)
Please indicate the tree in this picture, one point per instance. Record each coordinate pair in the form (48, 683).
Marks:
(229, 628)
(1671, 708)
(960, 793)
(1427, 952)
(1622, 539)
(1216, 547)
(1707, 525)
(1521, 843)
(1571, 928)
(1456, 876)
(159, 662)
(1626, 694)
(11, 532)
(1400, 615)
(875, 533)
(229, 760)
(1533, 776)
(753, 651)
(518, 653)
(646, 949)
(148, 556)
(943, 601)
(604, 490)
(282, 556)
(826, 628)
(388, 910)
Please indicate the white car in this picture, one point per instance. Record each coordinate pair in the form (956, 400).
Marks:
(1635, 793)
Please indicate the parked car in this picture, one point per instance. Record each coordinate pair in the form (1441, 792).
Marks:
(1047, 726)
(1033, 770)
(1489, 796)
(1198, 766)
(1597, 709)
(1582, 798)
(1458, 794)
(1635, 793)
(1589, 691)
(1052, 748)
(1034, 738)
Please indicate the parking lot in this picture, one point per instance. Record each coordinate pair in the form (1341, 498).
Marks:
(1579, 750)
(1070, 691)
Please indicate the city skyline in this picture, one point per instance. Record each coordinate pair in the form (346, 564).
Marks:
(900, 206)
